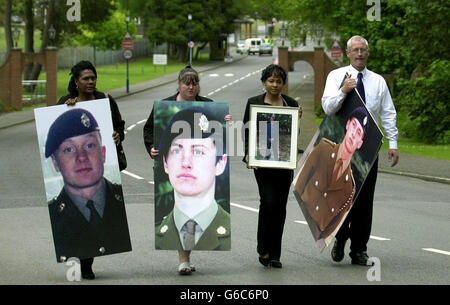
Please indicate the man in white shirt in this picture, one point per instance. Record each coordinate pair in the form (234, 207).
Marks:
(374, 91)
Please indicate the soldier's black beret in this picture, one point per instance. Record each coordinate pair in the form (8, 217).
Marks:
(198, 119)
(72, 123)
(361, 114)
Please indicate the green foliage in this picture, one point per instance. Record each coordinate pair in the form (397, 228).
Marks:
(426, 101)
(105, 35)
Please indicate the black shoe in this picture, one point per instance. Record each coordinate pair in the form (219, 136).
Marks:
(276, 264)
(264, 261)
(88, 275)
(337, 253)
(360, 258)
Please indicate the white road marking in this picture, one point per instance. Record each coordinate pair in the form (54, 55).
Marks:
(140, 122)
(379, 238)
(223, 87)
(131, 127)
(436, 251)
(244, 207)
(211, 93)
(301, 222)
(132, 175)
(214, 75)
(151, 182)
(229, 74)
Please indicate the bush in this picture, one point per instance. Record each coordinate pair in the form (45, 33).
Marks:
(424, 102)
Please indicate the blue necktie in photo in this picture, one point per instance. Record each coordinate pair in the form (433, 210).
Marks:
(360, 87)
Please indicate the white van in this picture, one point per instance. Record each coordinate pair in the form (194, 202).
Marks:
(252, 45)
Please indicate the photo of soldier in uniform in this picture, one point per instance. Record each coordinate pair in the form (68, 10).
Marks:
(333, 170)
(274, 137)
(192, 200)
(87, 210)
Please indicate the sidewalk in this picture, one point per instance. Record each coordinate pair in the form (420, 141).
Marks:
(409, 165)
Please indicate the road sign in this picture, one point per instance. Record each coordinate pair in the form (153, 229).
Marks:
(127, 54)
(160, 59)
(191, 44)
(127, 42)
(336, 50)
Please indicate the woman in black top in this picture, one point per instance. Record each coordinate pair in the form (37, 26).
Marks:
(188, 90)
(273, 184)
(82, 87)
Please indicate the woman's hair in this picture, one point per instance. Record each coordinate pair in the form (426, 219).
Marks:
(273, 70)
(76, 72)
(188, 76)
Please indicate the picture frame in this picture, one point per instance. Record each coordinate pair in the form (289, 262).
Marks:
(273, 145)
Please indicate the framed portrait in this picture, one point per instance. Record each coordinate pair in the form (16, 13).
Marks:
(191, 172)
(334, 166)
(273, 134)
(82, 180)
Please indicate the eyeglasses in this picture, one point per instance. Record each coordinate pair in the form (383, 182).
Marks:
(357, 50)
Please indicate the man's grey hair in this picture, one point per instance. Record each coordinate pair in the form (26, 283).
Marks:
(356, 38)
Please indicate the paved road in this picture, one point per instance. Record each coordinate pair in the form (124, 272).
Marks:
(410, 214)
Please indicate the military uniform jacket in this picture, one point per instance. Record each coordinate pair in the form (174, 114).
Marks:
(73, 235)
(326, 201)
(216, 237)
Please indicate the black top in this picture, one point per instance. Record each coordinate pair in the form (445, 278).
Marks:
(259, 100)
(149, 128)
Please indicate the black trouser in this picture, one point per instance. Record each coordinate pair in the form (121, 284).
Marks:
(86, 264)
(358, 224)
(273, 186)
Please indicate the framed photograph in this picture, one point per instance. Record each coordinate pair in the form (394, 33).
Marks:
(273, 134)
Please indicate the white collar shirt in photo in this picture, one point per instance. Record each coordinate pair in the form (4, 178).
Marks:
(203, 220)
(378, 99)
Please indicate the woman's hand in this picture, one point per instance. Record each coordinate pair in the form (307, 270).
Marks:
(154, 153)
(116, 138)
(228, 119)
(71, 101)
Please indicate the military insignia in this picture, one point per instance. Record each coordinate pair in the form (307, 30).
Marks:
(164, 229)
(102, 250)
(85, 120)
(203, 123)
(118, 197)
(62, 206)
(221, 230)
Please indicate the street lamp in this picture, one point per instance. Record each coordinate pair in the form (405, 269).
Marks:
(51, 34)
(16, 35)
(189, 41)
(319, 33)
(283, 34)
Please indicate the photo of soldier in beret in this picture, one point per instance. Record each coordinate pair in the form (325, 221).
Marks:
(88, 215)
(335, 168)
(193, 157)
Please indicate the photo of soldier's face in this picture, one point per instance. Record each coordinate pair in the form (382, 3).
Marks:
(80, 160)
(191, 166)
(353, 139)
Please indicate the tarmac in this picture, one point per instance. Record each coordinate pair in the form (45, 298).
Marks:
(428, 169)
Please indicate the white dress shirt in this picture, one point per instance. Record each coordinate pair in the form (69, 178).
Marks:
(378, 98)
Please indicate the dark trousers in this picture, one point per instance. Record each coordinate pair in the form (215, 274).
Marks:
(273, 186)
(358, 224)
(86, 265)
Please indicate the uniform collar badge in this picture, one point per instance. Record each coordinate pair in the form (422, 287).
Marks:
(85, 120)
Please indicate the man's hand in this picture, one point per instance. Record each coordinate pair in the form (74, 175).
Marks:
(349, 84)
(228, 118)
(154, 153)
(116, 138)
(393, 156)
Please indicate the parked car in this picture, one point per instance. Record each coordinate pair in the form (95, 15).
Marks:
(252, 45)
(265, 48)
(240, 47)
